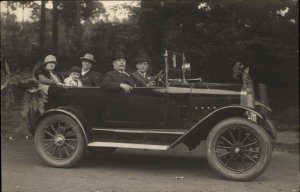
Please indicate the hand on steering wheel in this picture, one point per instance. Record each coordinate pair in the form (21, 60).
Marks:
(160, 77)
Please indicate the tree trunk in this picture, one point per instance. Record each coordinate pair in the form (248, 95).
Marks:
(23, 7)
(77, 19)
(151, 26)
(42, 26)
(54, 27)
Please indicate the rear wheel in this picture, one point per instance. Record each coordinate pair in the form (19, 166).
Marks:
(59, 141)
(238, 149)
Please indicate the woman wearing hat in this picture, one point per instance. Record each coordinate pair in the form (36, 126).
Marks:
(88, 77)
(47, 75)
(73, 79)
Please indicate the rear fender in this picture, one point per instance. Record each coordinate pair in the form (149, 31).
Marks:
(201, 129)
(76, 114)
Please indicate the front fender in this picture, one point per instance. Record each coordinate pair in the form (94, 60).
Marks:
(200, 130)
(257, 103)
(76, 114)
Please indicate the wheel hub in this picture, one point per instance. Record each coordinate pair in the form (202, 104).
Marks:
(237, 150)
(59, 140)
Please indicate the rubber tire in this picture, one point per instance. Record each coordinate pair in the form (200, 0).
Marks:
(256, 130)
(101, 150)
(273, 134)
(39, 134)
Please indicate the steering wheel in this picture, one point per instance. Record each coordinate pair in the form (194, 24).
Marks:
(159, 78)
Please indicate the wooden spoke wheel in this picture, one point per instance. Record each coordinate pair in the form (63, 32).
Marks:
(59, 141)
(238, 149)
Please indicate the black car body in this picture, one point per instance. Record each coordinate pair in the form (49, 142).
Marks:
(239, 137)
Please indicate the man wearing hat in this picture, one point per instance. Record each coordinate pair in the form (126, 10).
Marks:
(88, 77)
(118, 79)
(73, 79)
(141, 77)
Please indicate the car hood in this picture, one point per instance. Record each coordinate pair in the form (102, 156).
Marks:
(206, 88)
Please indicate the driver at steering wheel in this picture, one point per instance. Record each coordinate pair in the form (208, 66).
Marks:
(141, 76)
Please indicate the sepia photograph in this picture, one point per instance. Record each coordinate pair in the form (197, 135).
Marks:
(150, 96)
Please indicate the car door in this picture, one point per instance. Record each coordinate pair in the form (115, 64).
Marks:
(148, 106)
(178, 107)
(118, 107)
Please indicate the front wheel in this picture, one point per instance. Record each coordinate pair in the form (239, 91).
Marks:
(238, 149)
(59, 141)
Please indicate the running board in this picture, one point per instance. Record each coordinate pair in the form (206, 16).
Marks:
(145, 131)
(128, 145)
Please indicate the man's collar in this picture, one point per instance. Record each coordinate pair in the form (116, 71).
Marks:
(119, 71)
(143, 74)
(122, 72)
(85, 72)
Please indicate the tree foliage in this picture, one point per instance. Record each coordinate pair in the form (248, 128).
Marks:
(214, 34)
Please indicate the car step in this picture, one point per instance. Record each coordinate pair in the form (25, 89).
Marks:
(128, 145)
(146, 131)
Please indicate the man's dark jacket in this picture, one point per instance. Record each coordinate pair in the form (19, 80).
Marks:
(141, 81)
(91, 79)
(113, 79)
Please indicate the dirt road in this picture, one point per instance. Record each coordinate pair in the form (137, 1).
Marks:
(136, 170)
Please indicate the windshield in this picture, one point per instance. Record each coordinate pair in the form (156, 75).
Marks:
(177, 66)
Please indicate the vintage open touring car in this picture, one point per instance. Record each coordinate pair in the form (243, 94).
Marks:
(239, 137)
